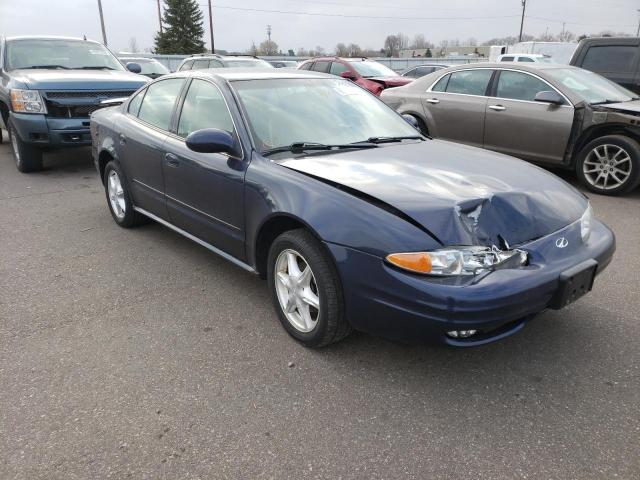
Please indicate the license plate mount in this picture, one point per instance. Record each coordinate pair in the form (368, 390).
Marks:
(574, 283)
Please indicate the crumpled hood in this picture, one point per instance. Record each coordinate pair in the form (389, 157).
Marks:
(461, 195)
(392, 81)
(47, 79)
(631, 107)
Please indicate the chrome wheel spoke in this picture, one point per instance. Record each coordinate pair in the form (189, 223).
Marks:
(311, 298)
(115, 192)
(607, 166)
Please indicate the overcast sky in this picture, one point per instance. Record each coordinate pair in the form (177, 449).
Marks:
(238, 22)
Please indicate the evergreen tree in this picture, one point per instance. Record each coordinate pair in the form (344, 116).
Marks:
(183, 31)
(428, 53)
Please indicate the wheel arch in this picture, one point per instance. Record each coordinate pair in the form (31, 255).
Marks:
(598, 131)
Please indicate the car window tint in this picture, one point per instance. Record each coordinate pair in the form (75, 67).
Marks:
(441, 86)
(525, 59)
(321, 66)
(200, 64)
(469, 82)
(306, 66)
(410, 73)
(134, 104)
(338, 68)
(612, 58)
(186, 65)
(506, 59)
(157, 105)
(204, 107)
(215, 64)
(422, 71)
(519, 86)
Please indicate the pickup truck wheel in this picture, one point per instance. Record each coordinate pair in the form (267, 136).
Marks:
(119, 199)
(28, 158)
(609, 165)
(306, 290)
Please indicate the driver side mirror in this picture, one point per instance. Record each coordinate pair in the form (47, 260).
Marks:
(133, 67)
(549, 96)
(214, 140)
(348, 75)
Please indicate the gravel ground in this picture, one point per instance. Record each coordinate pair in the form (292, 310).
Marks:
(138, 354)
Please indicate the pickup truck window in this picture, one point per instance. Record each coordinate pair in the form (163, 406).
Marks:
(610, 58)
(52, 54)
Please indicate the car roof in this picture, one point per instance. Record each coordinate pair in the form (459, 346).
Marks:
(232, 74)
(144, 59)
(344, 59)
(48, 37)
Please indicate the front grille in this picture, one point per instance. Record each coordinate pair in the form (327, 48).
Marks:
(76, 108)
(89, 94)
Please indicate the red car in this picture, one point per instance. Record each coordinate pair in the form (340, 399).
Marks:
(369, 74)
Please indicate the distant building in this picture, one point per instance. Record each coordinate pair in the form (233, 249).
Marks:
(471, 51)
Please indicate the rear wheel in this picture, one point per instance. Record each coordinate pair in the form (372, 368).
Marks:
(28, 158)
(306, 290)
(610, 165)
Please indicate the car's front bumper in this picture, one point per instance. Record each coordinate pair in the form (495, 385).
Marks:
(46, 131)
(383, 300)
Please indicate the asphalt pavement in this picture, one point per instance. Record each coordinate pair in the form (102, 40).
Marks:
(139, 354)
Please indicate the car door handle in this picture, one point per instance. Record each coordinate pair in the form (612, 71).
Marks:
(433, 100)
(172, 160)
(122, 139)
(497, 108)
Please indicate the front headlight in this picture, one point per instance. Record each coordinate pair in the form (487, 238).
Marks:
(585, 223)
(458, 261)
(27, 101)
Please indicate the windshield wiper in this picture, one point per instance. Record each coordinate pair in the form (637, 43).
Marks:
(604, 102)
(376, 140)
(301, 147)
(97, 67)
(32, 67)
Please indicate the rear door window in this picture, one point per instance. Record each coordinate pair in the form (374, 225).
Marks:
(158, 104)
(215, 64)
(610, 58)
(506, 59)
(200, 64)
(525, 59)
(306, 66)
(441, 86)
(469, 82)
(519, 86)
(321, 66)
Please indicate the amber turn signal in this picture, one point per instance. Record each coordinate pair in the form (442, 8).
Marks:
(419, 262)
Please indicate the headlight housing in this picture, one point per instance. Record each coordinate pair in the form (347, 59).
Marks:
(27, 101)
(585, 223)
(458, 261)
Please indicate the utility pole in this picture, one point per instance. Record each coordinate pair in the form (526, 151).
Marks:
(638, 32)
(213, 49)
(159, 16)
(269, 33)
(524, 6)
(562, 36)
(104, 33)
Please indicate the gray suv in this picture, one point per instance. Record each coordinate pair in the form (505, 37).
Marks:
(544, 113)
(199, 62)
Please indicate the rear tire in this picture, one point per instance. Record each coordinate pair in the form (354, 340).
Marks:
(119, 198)
(306, 289)
(28, 157)
(609, 165)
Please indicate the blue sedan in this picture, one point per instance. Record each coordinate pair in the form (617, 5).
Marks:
(355, 219)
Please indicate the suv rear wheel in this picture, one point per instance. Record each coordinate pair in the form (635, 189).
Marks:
(609, 165)
(28, 158)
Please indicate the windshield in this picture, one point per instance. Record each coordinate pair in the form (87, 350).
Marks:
(53, 53)
(249, 63)
(149, 67)
(326, 111)
(592, 87)
(373, 69)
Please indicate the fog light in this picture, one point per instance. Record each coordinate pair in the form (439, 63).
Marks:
(461, 333)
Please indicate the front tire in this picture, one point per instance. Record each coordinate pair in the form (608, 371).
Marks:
(119, 198)
(306, 289)
(609, 165)
(28, 158)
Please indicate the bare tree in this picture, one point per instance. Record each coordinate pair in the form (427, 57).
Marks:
(392, 46)
(319, 50)
(302, 52)
(268, 47)
(133, 45)
(403, 41)
(341, 50)
(253, 50)
(354, 50)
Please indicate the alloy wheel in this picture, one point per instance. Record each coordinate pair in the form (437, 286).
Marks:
(297, 290)
(607, 166)
(116, 194)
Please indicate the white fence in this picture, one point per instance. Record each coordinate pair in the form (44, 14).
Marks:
(398, 64)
